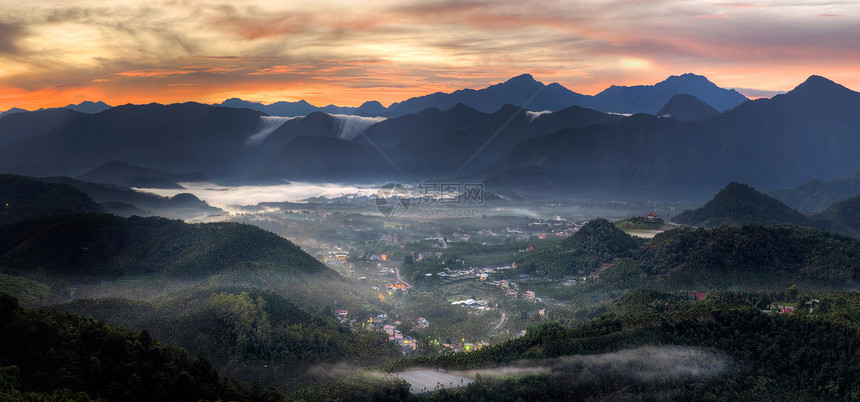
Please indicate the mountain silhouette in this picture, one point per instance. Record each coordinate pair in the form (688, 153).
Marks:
(650, 98)
(523, 91)
(769, 143)
(23, 125)
(687, 108)
(89, 107)
(123, 174)
(181, 138)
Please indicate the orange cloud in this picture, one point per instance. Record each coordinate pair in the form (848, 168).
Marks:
(134, 51)
(154, 73)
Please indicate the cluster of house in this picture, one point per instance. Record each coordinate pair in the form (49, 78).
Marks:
(555, 227)
(465, 346)
(789, 309)
(333, 256)
(343, 317)
(697, 295)
(461, 274)
(392, 238)
(380, 323)
(455, 275)
(472, 303)
(511, 288)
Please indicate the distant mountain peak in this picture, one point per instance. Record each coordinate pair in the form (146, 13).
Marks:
(818, 80)
(370, 109)
(522, 78)
(816, 83)
(89, 107)
(689, 79)
(691, 76)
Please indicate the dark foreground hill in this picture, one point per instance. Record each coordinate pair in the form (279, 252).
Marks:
(22, 198)
(110, 246)
(244, 330)
(49, 355)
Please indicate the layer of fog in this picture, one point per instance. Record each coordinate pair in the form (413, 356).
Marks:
(268, 125)
(644, 364)
(534, 115)
(226, 197)
(351, 126)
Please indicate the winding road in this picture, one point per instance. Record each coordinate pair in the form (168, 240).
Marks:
(399, 279)
(502, 321)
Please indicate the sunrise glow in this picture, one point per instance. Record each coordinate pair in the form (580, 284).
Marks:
(53, 53)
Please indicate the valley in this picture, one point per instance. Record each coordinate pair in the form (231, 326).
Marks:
(566, 253)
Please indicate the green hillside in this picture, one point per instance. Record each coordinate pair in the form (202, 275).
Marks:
(109, 246)
(722, 348)
(752, 257)
(738, 204)
(246, 331)
(49, 355)
(843, 216)
(597, 242)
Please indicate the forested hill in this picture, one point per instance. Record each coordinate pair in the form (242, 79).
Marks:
(722, 348)
(738, 204)
(246, 329)
(107, 245)
(22, 198)
(752, 256)
(843, 216)
(597, 242)
(49, 355)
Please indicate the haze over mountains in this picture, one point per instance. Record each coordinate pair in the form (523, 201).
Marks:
(519, 135)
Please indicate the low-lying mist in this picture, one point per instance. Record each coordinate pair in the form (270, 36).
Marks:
(644, 364)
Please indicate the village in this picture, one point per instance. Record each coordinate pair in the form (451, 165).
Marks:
(399, 260)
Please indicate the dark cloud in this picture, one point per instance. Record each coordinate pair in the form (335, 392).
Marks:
(9, 34)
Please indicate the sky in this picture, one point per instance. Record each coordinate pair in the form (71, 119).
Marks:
(53, 53)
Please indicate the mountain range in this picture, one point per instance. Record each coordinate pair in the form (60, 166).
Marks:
(524, 91)
(689, 146)
(87, 107)
(809, 132)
